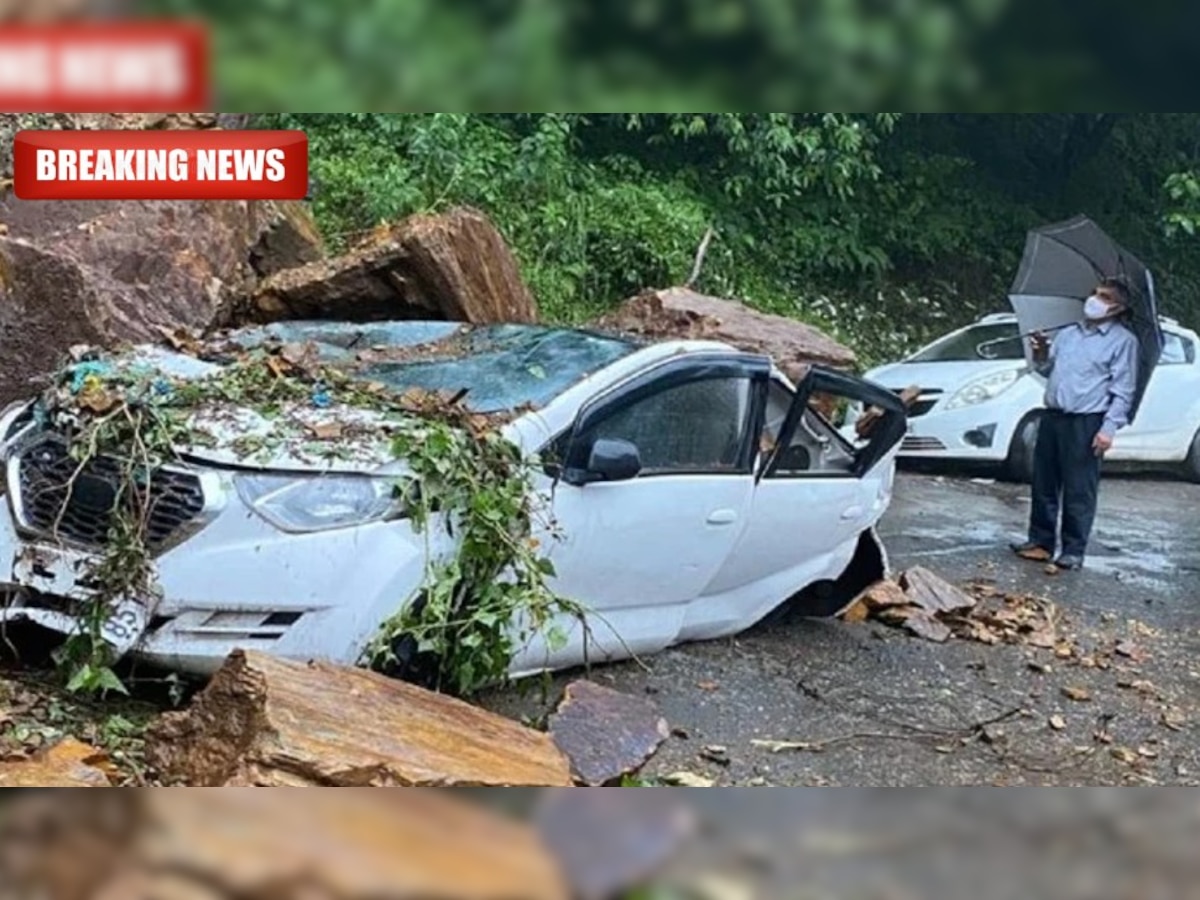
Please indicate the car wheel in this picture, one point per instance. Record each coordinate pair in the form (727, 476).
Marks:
(1191, 465)
(1019, 464)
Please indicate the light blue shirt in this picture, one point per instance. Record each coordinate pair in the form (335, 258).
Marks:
(1093, 369)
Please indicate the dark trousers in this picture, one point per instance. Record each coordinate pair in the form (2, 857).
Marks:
(1066, 474)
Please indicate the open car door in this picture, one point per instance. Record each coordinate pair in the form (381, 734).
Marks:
(815, 495)
(822, 392)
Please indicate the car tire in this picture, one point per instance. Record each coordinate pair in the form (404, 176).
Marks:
(1191, 465)
(1019, 464)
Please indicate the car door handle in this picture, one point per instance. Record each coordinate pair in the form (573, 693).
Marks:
(722, 517)
(853, 512)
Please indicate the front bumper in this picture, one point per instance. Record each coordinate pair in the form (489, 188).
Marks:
(968, 434)
(237, 582)
(980, 433)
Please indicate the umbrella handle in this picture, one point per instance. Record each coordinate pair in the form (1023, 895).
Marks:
(1021, 337)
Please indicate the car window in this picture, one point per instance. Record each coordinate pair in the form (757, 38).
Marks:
(1177, 350)
(962, 347)
(696, 426)
(816, 446)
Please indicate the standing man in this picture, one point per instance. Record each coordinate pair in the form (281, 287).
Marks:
(1092, 376)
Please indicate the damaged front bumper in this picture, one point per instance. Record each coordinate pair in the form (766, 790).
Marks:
(231, 581)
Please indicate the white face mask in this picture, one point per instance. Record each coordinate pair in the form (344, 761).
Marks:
(1095, 308)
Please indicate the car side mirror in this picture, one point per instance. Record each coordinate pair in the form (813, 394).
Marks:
(608, 460)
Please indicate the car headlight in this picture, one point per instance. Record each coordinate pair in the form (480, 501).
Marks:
(985, 388)
(322, 502)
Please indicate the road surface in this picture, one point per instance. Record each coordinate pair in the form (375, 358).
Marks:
(888, 709)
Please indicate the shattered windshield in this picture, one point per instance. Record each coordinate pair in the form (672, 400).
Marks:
(503, 368)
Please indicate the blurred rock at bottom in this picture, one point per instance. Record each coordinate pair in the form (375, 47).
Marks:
(243, 844)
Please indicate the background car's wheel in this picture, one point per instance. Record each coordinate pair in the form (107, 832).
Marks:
(1019, 464)
(1191, 466)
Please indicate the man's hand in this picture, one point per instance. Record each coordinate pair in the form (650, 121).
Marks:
(1039, 345)
(1101, 444)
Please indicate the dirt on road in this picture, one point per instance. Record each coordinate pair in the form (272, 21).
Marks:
(870, 705)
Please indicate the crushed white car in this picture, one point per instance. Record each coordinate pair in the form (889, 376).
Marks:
(693, 490)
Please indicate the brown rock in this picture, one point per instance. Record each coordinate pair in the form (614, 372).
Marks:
(605, 733)
(452, 267)
(105, 272)
(883, 595)
(680, 313)
(274, 845)
(69, 763)
(267, 721)
(933, 594)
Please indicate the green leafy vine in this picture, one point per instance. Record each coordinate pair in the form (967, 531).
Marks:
(480, 607)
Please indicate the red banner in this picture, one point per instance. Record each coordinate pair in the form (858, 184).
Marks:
(160, 165)
(103, 67)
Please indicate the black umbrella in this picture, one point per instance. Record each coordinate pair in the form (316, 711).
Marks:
(1061, 267)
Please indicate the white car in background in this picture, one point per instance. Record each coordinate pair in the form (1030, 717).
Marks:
(983, 407)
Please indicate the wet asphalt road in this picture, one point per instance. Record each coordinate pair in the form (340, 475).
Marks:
(890, 709)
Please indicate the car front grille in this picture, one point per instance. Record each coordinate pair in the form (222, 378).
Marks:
(915, 444)
(63, 501)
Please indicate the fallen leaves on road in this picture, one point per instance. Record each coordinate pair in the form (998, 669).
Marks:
(1077, 694)
(1058, 723)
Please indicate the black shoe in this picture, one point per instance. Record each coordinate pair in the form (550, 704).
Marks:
(1032, 551)
(1069, 563)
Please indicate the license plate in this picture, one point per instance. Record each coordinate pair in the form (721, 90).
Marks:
(124, 626)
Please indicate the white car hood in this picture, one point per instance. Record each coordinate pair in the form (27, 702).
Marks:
(299, 437)
(942, 376)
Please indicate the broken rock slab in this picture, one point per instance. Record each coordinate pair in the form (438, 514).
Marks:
(681, 313)
(69, 763)
(606, 734)
(915, 601)
(175, 844)
(453, 266)
(267, 721)
(932, 593)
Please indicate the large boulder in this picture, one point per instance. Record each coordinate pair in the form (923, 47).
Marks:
(453, 266)
(265, 721)
(107, 272)
(680, 313)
